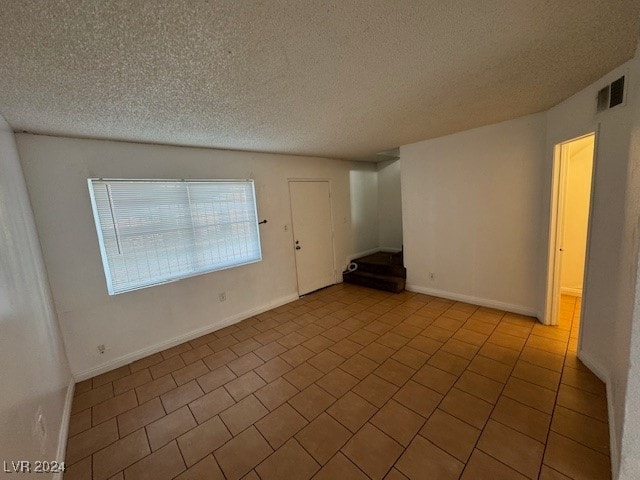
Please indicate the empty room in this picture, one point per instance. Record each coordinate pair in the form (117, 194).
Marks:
(320, 240)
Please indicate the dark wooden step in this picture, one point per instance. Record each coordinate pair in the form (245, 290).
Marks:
(382, 263)
(373, 280)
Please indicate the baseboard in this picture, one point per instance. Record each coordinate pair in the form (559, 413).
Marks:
(483, 302)
(602, 373)
(389, 249)
(63, 434)
(145, 352)
(574, 292)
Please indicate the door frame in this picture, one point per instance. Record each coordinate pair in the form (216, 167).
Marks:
(333, 241)
(558, 180)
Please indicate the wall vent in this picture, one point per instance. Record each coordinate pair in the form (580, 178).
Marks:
(611, 95)
(616, 97)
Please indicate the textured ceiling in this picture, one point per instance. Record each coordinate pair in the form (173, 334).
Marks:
(338, 79)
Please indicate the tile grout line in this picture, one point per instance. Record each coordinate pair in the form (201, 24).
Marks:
(493, 409)
(402, 316)
(555, 400)
(439, 402)
(352, 434)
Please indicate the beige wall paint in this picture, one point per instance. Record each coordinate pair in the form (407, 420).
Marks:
(389, 205)
(137, 323)
(35, 377)
(630, 442)
(607, 317)
(579, 164)
(470, 195)
(471, 214)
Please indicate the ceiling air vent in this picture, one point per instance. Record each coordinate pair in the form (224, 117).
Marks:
(611, 95)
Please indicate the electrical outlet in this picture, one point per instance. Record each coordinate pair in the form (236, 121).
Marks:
(432, 276)
(101, 349)
(222, 296)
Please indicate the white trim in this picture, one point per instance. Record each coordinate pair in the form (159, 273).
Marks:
(599, 371)
(145, 352)
(63, 433)
(556, 214)
(574, 292)
(483, 302)
(333, 231)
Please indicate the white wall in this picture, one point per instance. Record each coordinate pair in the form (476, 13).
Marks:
(476, 209)
(579, 163)
(137, 323)
(389, 205)
(630, 441)
(363, 193)
(609, 284)
(471, 214)
(35, 376)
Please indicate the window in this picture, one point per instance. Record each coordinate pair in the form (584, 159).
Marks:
(156, 231)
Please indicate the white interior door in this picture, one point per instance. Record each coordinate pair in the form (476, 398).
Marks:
(312, 234)
(559, 240)
(562, 153)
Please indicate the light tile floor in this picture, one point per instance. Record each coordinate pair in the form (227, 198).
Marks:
(351, 383)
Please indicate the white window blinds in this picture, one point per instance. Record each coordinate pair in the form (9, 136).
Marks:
(155, 231)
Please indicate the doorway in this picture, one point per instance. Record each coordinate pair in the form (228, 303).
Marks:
(569, 231)
(312, 234)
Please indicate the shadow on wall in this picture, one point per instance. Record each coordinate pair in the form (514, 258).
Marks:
(363, 188)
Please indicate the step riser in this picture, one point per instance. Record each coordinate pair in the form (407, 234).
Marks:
(390, 270)
(395, 286)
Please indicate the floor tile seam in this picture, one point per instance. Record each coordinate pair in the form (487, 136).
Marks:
(384, 433)
(377, 409)
(275, 450)
(109, 445)
(581, 413)
(339, 452)
(105, 446)
(482, 430)
(546, 352)
(579, 442)
(509, 466)
(603, 394)
(506, 346)
(554, 390)
(469, 361)
(540, 366)
(597, 394)
(437, 407)
(518, 430)
(558, 471)
(323, 411)
(429, 440)
(233, 437)
(311, 454)
(555, 403)
(555, 339)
